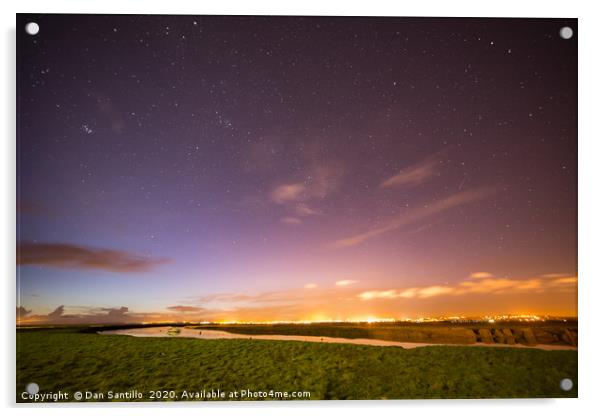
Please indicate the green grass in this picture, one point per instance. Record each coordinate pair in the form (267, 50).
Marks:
(70, 360)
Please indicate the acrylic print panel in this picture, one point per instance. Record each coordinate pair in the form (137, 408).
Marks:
(295, 208)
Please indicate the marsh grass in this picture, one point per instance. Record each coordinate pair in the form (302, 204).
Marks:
(437, 333)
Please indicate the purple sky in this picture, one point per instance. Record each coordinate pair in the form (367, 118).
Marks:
(286, 168)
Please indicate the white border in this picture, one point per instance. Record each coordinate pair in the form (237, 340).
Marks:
(590, 204)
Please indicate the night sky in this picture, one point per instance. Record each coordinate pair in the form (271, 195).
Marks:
(295, 168)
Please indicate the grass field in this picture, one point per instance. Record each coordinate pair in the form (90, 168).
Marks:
(72, 360)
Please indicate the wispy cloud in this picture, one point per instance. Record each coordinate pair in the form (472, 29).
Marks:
(298, 210)
(481, 275)
(427, 292)
(318, 182)
(498, 285)
(481, 285)
(415, 174)
(185, 308)
(345, 282)
(553, 275)
(22, 312)
(287, 192)
(263, 297)
(79, 257)
(303, 209)
(115, 311)
(57, 313)
(562, 281)
(414, 292)
(458, 199)
(283, 297)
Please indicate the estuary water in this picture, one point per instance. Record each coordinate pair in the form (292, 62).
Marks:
(185, 332)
